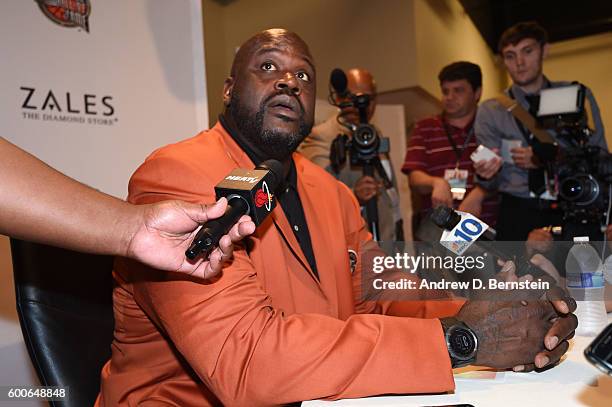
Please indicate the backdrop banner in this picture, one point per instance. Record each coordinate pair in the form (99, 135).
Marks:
(93, 86)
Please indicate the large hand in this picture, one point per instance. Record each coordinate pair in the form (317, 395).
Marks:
(441, 193)
(366, 188)
(488, 168)
(564, 324)
(167, 229)
(521, 334)
(523, 157)
(510, 333)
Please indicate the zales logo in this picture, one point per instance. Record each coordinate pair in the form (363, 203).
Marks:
(67, 13)
(66, 107)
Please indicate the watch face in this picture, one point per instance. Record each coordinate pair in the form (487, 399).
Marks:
(462, 342)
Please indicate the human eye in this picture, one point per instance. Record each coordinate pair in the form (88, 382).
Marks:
(268, 66)
(303, 76)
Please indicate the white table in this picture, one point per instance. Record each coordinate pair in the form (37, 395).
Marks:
(574, 382)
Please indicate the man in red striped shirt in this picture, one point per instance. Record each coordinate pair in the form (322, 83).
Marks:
(438, 160)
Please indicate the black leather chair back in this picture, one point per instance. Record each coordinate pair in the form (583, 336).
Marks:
(64, 302)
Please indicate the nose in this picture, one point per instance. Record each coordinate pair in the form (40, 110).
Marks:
(288, 82)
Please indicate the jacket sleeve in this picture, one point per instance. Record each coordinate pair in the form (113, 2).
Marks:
(415, 304)
(250, 353)
(488, 135)
(598, 138)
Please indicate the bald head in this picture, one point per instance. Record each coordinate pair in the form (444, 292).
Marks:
(359, 82)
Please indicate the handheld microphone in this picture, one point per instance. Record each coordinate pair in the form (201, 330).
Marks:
(248, 192)
(461, 230)
(448, 218)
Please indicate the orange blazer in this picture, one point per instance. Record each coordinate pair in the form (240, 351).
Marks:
(267, 331)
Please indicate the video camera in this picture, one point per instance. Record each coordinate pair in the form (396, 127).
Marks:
(365, 143)
(583, 172)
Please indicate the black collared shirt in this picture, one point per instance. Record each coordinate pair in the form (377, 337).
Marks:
(288, 198)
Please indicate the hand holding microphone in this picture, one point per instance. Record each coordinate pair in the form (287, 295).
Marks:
(248, 192)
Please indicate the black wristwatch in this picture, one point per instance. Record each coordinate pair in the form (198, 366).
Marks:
(461, 342)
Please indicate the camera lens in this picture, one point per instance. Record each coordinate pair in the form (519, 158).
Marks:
(364, 136)
(366, 142)
(571, 189)
(580, 189)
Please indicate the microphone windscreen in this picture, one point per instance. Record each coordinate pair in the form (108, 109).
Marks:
(338, 81)
(276, 169)
(445, 217)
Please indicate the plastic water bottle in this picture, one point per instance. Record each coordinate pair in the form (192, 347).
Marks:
(585, 282)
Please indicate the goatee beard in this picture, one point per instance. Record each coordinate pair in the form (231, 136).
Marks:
(272, 143)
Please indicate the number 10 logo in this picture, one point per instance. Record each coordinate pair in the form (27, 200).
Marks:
(468, 229)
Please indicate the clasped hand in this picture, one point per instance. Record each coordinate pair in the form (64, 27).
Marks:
(521, 334)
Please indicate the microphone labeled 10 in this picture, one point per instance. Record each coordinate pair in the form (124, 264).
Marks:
(461, 230)
(248, 192)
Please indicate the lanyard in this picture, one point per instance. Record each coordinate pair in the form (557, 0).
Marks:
(458, 152)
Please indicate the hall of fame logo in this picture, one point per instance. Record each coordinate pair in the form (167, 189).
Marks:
(67, 13)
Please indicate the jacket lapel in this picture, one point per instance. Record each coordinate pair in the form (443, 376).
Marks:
(242, 160)
(323, 224)
(282, 225)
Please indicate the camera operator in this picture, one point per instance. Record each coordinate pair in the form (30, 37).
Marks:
(318, 147)
(526, 201)
(438, 154)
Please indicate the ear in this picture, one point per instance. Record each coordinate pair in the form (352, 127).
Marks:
(545, 49)
(228, 87)
(478, 94)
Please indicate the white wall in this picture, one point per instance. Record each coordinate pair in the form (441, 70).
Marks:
(146, 57)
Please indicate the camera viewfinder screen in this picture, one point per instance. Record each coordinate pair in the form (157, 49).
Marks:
(559, 100)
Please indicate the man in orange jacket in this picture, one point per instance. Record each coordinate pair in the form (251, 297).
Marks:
(284, 321)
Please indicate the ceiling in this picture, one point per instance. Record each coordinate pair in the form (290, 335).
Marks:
(563, 19)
